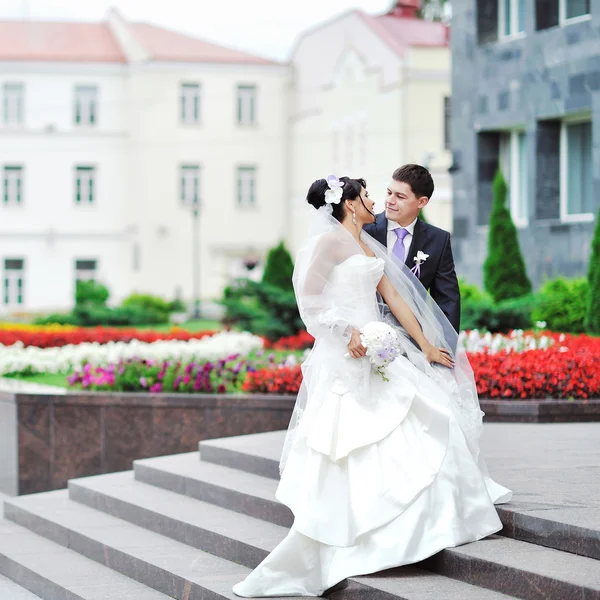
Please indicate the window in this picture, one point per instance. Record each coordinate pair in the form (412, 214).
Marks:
(246, 104)
(576, 170)
(551, 13)
(513, 164)
(571, 9)
(511, 17)
(86, 99)
(13, 185)
(447, 122)
(85, 185)
(13, 104)
(12, 287)
(85, 270)
(190, 103)
(190, 185)
(246, 186)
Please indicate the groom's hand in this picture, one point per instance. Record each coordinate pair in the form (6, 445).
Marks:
(355, 347)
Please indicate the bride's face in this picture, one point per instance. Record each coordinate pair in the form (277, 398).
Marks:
(364, 212)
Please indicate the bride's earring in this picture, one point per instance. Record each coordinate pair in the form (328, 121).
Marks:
(354, 217)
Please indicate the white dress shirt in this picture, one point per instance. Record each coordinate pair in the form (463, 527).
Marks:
(391, 236)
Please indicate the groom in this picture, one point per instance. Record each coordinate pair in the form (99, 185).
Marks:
(404, 234)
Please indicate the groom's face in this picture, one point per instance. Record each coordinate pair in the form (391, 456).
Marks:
(401, 204)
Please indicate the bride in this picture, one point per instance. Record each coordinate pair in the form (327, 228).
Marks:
(378, 473)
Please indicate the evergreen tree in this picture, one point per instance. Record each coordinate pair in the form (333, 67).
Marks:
(592, 317)
(504, 272)
(422, 217)
(279, 268)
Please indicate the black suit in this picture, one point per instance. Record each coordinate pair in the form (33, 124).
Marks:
(437, 272)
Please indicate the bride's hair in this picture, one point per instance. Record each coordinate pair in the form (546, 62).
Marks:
(350, 191)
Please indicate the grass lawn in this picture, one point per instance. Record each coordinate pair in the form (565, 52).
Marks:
(193, 326)
(56, 379)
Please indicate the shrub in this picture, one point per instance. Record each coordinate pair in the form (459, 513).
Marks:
(592, 318)
(91, 292)
(177, 306)
(504, 269)
(509, 314)
(155, 307)
(264, 309)
(561, 303)
(279, 268)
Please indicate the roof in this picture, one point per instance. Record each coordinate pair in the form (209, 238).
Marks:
(58, 41)
(401, 33)
(165, 45)
(95, 42)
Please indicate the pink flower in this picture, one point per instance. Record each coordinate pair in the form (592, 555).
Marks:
(156, 388)
(143, 382)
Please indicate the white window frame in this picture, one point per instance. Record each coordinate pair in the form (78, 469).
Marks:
(514, 21)
(85, 183)
(85, 274)
(189, 185)
(564, 173)
(85, 105)
(246, 104)
(190, 107)
(513, 181)
(562, 14)
(246, 186)
(10, 285)
(12, 185)
(13, 100)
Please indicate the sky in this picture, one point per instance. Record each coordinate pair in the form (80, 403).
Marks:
(264, 27)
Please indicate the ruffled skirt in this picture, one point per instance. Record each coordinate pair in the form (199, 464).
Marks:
(377, 485)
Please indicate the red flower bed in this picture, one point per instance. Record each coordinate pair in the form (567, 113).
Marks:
(300, 341)
(568, 369)
(283, 380)
(101, 335)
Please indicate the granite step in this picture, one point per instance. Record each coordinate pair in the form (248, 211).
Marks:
(239, 491)
(257, 453)
(244, 539)
(163, 564)
(207, 527)
(523, 519)
(9, 590)
(35, 568)
(502, 565)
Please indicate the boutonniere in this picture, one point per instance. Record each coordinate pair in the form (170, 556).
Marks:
(420, 258)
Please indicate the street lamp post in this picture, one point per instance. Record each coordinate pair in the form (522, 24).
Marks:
(195, 262)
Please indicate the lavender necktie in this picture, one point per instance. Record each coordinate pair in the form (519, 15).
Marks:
(398, 249)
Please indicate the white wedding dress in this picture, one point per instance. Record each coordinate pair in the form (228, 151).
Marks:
(374, 483)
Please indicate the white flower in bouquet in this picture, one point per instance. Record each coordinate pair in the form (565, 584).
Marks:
(381, 342)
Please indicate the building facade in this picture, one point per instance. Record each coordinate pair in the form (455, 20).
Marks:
(111, 135)
(526, 98)
(370, 94)
(158, 163)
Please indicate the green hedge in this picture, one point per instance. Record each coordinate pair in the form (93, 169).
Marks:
(562, 303)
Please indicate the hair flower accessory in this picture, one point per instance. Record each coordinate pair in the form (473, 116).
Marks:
(420, 258)
(334, 194)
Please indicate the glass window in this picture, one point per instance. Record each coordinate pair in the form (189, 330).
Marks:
(190, 103)
(578, 150)
(13, 94)
(190, 184)
(13, 281)
(13, 185)
(576, 8)
(511, 17)
(85, 185)
(246, 104)
(246, 186)
(513, 164)
(85, 269)
(86, 98)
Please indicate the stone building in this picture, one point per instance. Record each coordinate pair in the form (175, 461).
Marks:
(526, 97)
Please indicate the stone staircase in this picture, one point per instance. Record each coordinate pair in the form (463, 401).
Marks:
(180, 527)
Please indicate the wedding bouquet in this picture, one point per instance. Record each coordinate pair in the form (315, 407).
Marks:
(381, 342)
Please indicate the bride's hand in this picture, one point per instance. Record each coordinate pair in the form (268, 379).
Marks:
(438, 355)
(355, 347)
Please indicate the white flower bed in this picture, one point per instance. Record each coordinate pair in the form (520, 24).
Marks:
(17, 358)
(517, 341)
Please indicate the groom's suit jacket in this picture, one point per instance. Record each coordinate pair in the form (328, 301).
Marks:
(437, 272)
